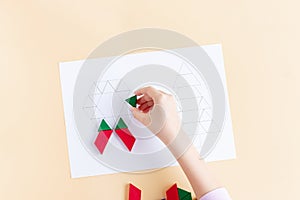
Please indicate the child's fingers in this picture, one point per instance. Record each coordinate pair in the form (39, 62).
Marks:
(146, 105)
(147, 109)
(143, 99)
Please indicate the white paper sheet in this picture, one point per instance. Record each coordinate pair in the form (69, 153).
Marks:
(83, 164)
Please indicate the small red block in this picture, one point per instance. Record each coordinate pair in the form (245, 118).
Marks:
(126, 137)
(102, 140)
(134, 193)
(172, 193)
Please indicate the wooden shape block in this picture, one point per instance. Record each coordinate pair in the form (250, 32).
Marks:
(102, 140)
(184, 195)
(172, 193)
(134, 193)
(132, 100)
(121, 124)
(126, 137)
(103, 126)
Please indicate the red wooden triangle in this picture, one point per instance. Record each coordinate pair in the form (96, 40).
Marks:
(102, 139)
(134, 193)
(126, 137)
(172, 193)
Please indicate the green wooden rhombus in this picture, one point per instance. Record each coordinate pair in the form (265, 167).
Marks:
(184, 195)
(132, 100)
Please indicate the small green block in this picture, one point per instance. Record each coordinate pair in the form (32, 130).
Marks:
(132, 100)
(103, 126)
(184, 195)
(121, 124)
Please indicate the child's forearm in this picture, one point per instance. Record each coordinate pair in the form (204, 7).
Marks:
(196, 171)
(163, 120)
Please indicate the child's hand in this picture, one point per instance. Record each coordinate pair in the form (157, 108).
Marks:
(157, 110)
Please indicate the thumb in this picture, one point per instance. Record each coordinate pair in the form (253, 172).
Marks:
(144, 118)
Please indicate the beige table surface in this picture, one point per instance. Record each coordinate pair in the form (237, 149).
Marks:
(261, 50)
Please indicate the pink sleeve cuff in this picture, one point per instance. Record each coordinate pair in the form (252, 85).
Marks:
(217, 194)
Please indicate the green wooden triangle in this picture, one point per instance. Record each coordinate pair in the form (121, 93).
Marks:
(132, 100)
(103, 126)
(184, 195)
(121, 124)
